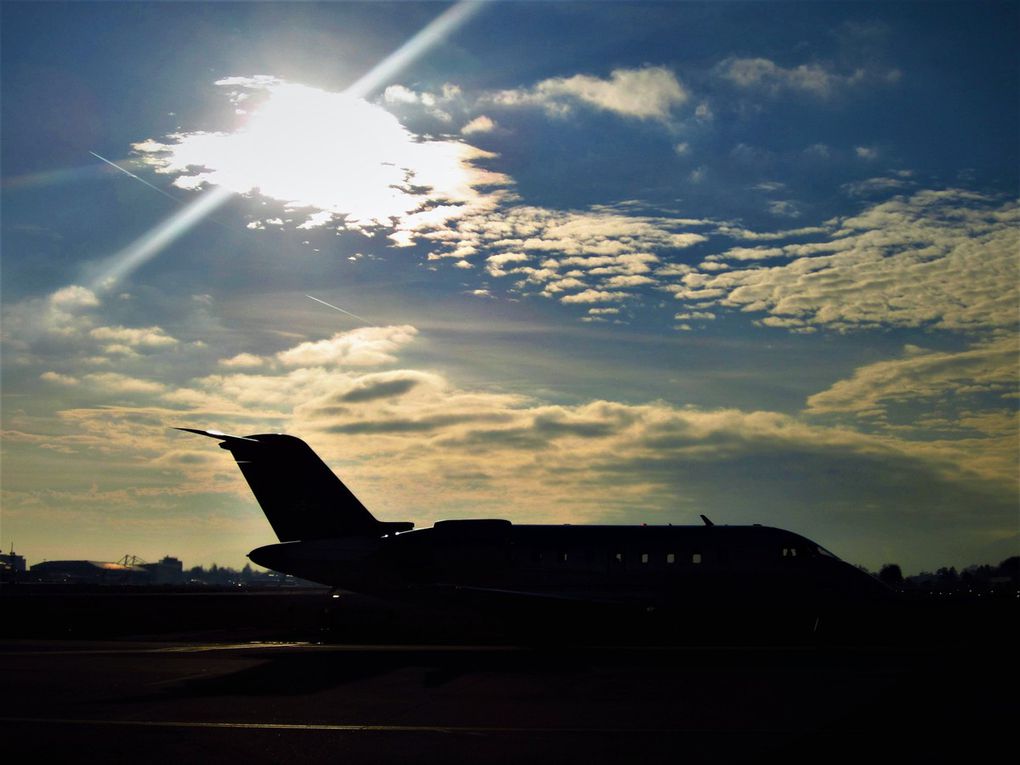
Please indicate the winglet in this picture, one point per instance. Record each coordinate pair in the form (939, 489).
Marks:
(707, 522)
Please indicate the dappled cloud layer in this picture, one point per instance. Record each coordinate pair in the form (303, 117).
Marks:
(942, 259)
(415, 444)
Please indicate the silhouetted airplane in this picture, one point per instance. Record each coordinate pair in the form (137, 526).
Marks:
(326, 535)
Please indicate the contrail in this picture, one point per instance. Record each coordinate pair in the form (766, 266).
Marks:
(137, 178)
(337, 308)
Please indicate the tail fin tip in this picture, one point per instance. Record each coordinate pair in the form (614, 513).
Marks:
(302, 498)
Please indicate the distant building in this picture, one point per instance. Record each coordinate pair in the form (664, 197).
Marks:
(89, 572)
(167, 571)
(13, 562)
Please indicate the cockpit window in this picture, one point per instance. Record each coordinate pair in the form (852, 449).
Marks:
(825, 553)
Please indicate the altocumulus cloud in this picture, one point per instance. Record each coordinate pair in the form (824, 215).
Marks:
(939, 259)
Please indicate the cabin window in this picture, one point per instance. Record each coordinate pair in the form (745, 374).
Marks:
(563, 557)
(618, 558)
(644, 557)
(696, 557)
(671, 558)
(536, 557)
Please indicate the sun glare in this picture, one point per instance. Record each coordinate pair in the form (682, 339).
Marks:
(330, 152)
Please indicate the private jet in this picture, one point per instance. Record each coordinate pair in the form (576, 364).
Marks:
(327, 536)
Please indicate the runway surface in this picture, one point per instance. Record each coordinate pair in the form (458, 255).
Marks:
(305, 702)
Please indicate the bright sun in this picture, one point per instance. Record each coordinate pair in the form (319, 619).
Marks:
(346, 159)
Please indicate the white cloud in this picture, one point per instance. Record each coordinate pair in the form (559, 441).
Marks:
(570, 248)
(59, 379)
(116, 383)
(879, 185)
(480, 124)
(594, 296)
(434, 105)
(736, 232)
(73, 298)
(749, 253)
(694, 316)
(765, 75)
(368, 346)
(398, 94)
(650, 93)
(939, 259)
(133, 337)
(243, 360)
(634, 280)
(992, 367)
(495, 263)
(784, 208)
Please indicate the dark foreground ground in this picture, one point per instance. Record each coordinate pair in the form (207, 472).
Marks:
(300, 677)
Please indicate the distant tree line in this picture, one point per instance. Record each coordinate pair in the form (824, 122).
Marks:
(977, 579)
(224, 575)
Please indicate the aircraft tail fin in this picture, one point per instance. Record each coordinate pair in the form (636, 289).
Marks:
(302, 498)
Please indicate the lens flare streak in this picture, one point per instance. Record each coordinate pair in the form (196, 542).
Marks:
(153, 241)
(149, 245)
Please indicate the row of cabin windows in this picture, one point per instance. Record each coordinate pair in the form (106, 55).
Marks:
(671, 557)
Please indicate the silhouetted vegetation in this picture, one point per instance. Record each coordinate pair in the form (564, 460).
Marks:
(974, 581)
(224, 576)
(891, 574)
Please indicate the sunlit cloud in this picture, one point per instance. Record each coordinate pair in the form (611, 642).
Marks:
(765, 75)
(480, 124)
(942, 259)
(950, 377)
(649, 93)
(367, 346)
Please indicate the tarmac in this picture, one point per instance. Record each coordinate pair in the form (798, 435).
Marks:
(181, 698)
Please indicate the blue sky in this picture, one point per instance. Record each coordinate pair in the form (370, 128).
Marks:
(612, 262)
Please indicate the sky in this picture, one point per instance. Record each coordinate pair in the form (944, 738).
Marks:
(553, 262)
